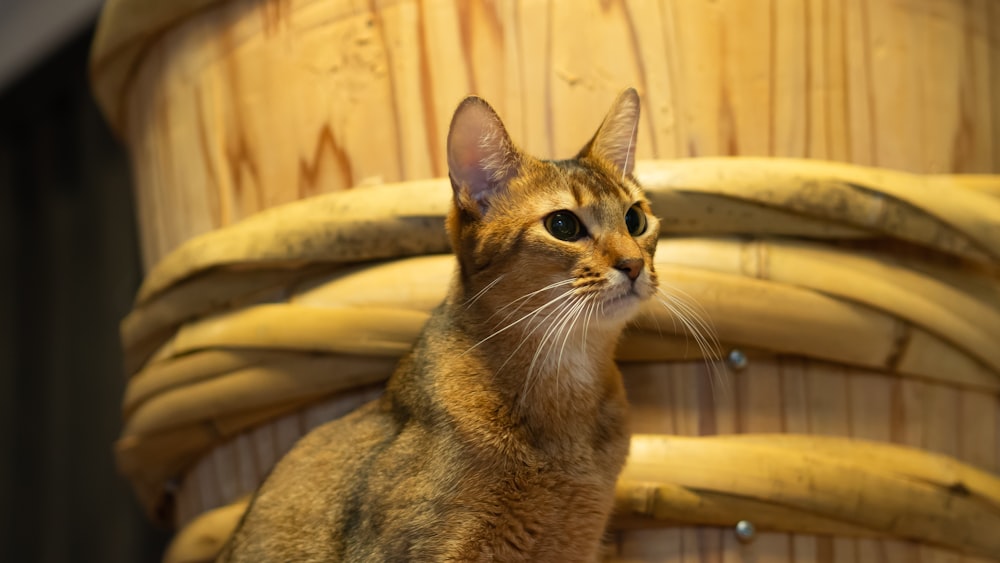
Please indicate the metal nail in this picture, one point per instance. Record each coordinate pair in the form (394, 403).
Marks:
(745, 530)
(737, 359)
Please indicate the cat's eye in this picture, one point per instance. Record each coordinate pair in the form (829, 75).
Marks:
(635, 221)
(564, 226)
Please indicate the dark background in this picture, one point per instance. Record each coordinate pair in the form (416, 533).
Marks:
(69, 267)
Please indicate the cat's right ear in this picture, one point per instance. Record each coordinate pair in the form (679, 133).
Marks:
(481, 157)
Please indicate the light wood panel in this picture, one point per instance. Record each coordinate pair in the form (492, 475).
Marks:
(233, 107)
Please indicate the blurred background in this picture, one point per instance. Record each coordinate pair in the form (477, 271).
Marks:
(69, 267)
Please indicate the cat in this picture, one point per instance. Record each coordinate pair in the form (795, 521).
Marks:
(502, 433)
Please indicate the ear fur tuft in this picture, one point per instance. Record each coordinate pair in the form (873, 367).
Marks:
(481, 157)
(615, 139)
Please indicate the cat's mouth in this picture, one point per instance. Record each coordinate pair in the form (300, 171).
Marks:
(621, 303)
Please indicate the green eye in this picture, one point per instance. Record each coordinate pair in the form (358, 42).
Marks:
(635, 221)
(564, 226)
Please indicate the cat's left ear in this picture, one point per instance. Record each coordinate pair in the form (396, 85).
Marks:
(615, 139)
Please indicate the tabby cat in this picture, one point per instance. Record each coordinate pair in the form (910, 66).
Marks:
(501, 435)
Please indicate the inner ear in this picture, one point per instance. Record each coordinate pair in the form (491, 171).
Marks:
(481, 157)
(614, 142)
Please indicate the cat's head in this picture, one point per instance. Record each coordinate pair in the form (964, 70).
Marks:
(573, 234)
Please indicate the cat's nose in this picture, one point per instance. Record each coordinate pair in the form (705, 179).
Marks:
(631, 266)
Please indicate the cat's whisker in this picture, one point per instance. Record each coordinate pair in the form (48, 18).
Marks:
(518, 321)
(679, 295)
(586, 320)
(715, 367)
(703, 333)
(529, 334)
(575, 313)
(472, 300)
(529, 378)
(697, 317)
(525, 297)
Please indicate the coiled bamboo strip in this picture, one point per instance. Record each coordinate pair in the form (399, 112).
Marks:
(388, 221)
(268, 357)
(922, 496)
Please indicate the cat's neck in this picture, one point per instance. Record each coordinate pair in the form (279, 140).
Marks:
(552, 383)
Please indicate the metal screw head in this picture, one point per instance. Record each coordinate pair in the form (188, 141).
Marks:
(745, 530)
(737, 359)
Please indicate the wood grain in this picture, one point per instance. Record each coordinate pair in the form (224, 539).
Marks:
(233, 107)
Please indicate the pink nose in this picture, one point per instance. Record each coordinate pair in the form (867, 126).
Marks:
(631, 266)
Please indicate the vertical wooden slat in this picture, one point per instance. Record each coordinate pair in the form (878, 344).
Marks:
(248, 475)
(907, 408)
(654, 39)
(790, 78)
(900, 88)
(817, 100)
(930, 554)
(826, 389)
(207, 485)
(977, 429)
(869, 550)
(901, 552)
(686, 402)
(650, 546)
(745, 29)
(845, 550)
(942, 38)
(991, 15)
(835, 71)
(445, 75)
(869, 396)
(803, 549)
(651, 397)
(538, 50)
(861, 128)
(397, 26)
(223, 463)
(699, 40)
(761, 407)
(941, 420)
(794, 395)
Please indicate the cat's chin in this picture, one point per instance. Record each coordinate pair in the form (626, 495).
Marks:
(621, 307)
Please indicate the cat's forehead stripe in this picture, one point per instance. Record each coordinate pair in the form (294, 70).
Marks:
(594, 180)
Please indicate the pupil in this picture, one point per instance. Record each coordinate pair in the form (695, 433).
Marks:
(563, 225)
(633, 221)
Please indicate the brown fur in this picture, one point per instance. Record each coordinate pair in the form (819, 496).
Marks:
(483, 448)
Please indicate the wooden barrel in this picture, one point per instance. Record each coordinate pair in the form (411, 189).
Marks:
(849, 410)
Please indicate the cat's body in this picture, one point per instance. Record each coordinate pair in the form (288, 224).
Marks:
(501, 435)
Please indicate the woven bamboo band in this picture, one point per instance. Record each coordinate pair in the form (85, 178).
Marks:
(881, 270)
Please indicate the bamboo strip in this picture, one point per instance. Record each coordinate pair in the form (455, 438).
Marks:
(964, 319)
(340, 227)
(364, 224)
(146, 327)
(161, 377)
(296, 378)
(202, 539)
(752, 314)
(894, 203)
(870, 495)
